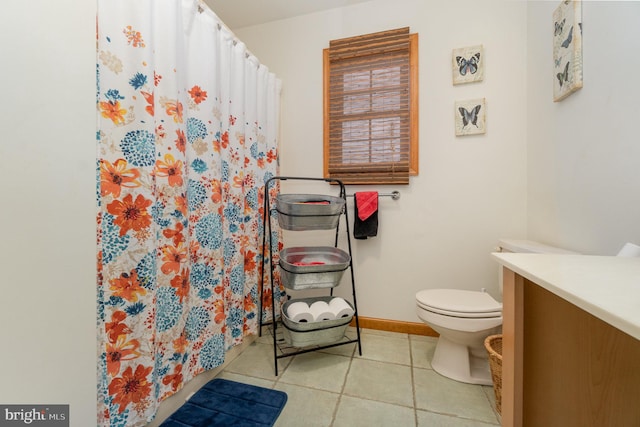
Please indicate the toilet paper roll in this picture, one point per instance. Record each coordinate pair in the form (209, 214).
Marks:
(299, 312)
(321, 311)
(340, 308)
(630, 250)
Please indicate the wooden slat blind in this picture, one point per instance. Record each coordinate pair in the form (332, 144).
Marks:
(368, 118)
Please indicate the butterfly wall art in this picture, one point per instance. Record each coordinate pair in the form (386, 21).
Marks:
(470, 117)
(468, 64)
(567, 49)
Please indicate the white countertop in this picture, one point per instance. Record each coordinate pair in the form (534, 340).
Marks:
(606, 286)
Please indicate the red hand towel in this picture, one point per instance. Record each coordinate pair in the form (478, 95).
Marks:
(367, 202)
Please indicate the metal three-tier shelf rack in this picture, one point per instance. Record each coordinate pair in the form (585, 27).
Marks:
(307, 268)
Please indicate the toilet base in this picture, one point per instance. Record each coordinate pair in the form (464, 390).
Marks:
(459, 363)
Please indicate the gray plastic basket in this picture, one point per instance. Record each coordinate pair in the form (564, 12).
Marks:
(301, 212)
(304, 334)
(312, 267)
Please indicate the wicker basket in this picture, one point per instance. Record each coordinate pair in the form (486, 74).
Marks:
(493, 344)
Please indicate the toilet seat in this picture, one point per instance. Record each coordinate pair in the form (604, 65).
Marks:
(461, 314)
(459, 303)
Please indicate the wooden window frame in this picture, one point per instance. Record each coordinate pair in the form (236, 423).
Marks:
(413, 119)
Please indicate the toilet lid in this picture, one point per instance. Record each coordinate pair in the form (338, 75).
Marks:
(458, 302)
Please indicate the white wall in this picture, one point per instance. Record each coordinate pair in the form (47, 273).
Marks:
(584, 152)
(470, 191)
(47, 206)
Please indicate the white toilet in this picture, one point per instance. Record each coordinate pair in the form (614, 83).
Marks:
(464, 319)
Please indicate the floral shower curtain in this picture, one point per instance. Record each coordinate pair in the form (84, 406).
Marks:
(187, 137)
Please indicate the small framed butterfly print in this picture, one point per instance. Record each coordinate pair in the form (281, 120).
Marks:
(470, 117)
(567, 49)
(468, 64)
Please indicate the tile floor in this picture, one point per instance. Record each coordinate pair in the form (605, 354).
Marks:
(391, 384)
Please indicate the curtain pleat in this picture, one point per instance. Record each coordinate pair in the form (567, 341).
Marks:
(187, 138)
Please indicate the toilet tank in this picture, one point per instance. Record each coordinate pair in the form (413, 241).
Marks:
(526, 246)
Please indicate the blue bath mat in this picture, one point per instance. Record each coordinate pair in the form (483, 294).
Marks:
(229, 403)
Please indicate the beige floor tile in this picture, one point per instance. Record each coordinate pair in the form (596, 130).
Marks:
(385, 382)
(491, 395)
(257, 361)
(422, 351)
(386, 348)
(436, 393)
(345, 349)
(355, 412)
(383, 333)
(306, 407)
(266, 337)
(377, 388)
(317, 370)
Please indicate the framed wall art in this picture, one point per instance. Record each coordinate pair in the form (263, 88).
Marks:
(470, 117)
(567, 49)
(468, 64)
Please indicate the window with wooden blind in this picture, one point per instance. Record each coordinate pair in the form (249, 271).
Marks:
(371, 108)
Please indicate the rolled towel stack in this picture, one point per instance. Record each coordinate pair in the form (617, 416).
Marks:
(340, 308)
(319, 311)
(299, 312)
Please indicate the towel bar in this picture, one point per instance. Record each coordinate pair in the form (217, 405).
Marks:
(395, 195)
